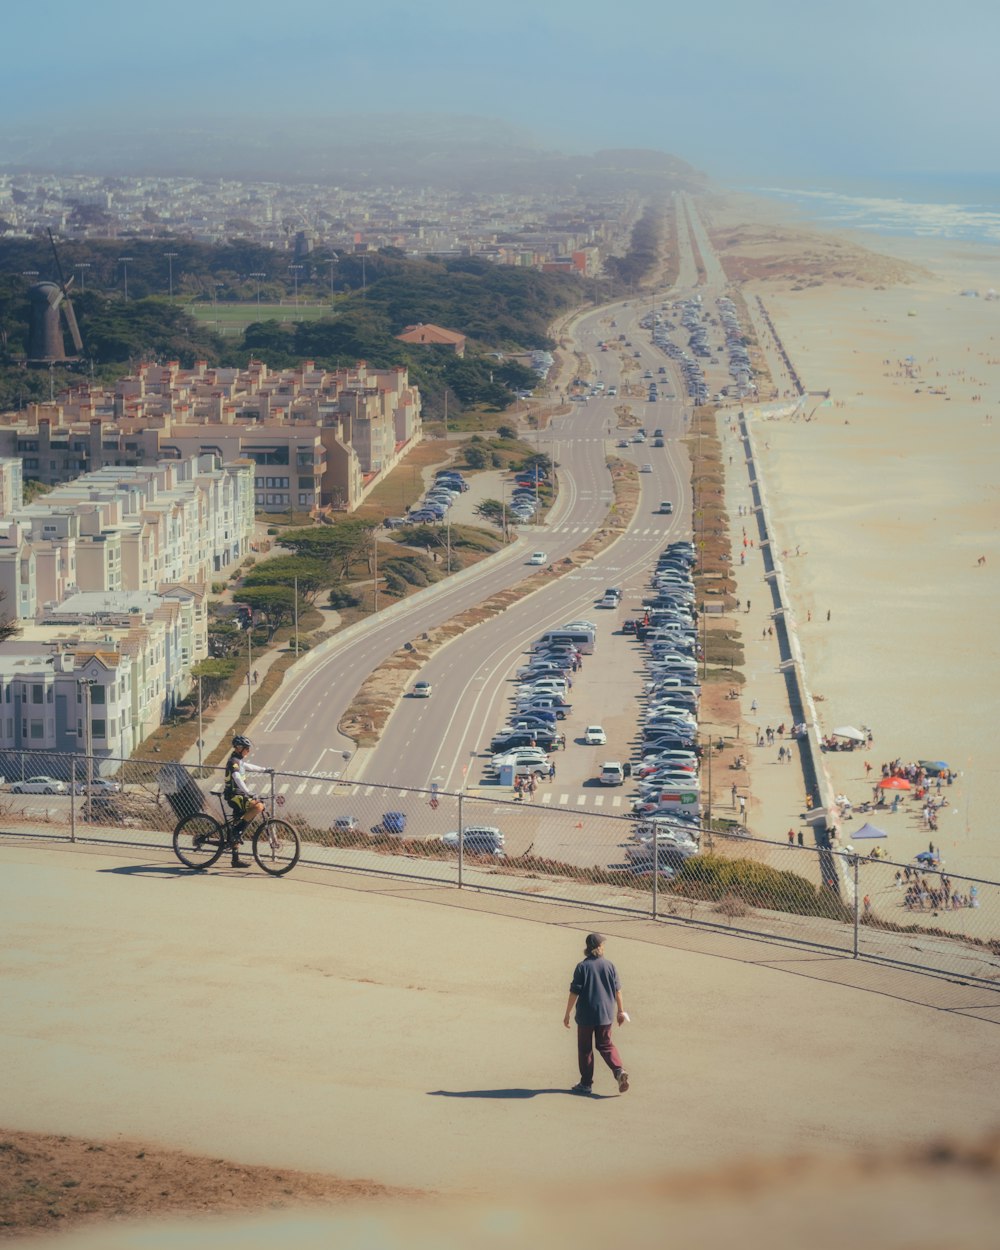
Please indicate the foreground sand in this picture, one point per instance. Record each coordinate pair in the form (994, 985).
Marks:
(412, 1036)
(886, 500)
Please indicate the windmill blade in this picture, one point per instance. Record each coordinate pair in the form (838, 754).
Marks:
(59, 269)
(74, 329)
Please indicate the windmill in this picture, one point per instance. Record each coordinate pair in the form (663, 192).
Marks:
(50, 307)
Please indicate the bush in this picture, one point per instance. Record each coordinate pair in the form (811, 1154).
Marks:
(716, 880)
(343, 599)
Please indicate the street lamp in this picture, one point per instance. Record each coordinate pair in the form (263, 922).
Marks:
(295, 270)
(259, 278)
(170, 258)
(85, 685)
(82, 270)
(123, 261)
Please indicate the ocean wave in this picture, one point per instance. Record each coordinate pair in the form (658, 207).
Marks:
(890, 215)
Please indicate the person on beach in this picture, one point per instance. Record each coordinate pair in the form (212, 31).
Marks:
(595, 992)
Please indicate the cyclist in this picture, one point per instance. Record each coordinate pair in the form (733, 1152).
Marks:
(245, 804)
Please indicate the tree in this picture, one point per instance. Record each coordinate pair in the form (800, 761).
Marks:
(492, 510)
(312, 575)
(475, 457)
(277, 603)
(543, 462)
(213, 674)
(506, 431)
(342, 545)
(9, 626)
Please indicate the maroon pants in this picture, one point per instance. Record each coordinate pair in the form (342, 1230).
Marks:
(587, 1037)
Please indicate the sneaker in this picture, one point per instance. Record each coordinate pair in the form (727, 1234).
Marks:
(582, 1089)
(242, 863)
(623, 1082)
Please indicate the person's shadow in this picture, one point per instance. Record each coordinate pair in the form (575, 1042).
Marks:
(504, 1093)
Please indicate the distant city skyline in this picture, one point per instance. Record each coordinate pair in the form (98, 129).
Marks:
(766, 90)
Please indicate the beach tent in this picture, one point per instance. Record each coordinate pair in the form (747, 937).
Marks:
(932, 766)
(894, 783)
(848, 731)
(869, 831)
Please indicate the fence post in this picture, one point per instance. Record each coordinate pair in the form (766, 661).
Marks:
(656, 869)
(72, 799)
(857, 905)
(461, 838)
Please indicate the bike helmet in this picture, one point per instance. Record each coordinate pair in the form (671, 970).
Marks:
(239, 742)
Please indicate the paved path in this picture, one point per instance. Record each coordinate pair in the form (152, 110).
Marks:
(412, 1033)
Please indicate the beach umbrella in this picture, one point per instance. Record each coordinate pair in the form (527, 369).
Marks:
(848, 731)
(894, 783)
(869, 831)
(927, 857)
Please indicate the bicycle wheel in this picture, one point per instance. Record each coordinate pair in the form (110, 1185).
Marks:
(199, 840)
(276, 847)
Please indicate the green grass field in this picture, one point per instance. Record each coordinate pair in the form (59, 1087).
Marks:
(233, 319)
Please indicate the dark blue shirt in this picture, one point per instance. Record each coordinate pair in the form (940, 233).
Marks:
(595, 982)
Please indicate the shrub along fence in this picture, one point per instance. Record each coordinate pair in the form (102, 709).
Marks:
(918, 915)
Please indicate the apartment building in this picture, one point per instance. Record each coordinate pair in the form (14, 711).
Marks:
(128, 529)
(63, 702)
(318, 438)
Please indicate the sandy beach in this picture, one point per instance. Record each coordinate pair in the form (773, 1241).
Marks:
(885, 499)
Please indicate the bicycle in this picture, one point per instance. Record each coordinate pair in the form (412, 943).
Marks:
(200, 840)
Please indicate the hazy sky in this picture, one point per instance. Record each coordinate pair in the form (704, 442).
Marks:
(742, 89)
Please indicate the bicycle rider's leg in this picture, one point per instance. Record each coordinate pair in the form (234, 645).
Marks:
(241, 818)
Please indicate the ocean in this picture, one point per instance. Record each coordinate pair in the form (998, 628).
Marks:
(957, 209)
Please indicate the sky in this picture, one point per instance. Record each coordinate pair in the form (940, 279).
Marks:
(749, 91)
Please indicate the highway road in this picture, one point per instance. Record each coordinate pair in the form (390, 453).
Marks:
(439, 741)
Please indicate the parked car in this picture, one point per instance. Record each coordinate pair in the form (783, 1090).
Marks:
(39, 785)
(345, 824)
(612, 773)
(476, 840)
(594, 736)
(392, 822)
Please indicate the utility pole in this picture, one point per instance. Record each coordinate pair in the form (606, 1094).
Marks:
(170, 258)
(123, 261)
(375, 591)
(201, 736)
(296, 618)
(250, 663)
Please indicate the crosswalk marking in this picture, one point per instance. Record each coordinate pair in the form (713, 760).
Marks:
(334, 789)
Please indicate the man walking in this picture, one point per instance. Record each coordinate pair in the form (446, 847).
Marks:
(596, 994)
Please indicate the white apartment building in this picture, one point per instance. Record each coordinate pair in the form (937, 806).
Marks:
(128, 529)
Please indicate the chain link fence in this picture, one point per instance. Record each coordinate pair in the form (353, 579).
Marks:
(546, 848)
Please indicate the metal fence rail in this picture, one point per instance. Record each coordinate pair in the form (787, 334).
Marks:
(919, 916)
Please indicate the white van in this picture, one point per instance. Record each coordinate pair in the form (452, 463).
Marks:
(612, 774)
(579, 637)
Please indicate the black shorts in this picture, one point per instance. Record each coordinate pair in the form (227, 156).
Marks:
(239, 803)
